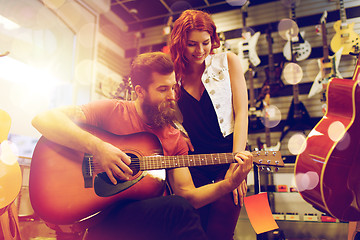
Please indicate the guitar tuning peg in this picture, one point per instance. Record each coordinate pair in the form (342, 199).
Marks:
(276, 169)
(268, 169)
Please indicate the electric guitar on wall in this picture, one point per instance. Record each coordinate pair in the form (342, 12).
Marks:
(327, 171)
(272, 83)
(67, 186)
(329, 65)
(247, 44)
(254, 112)
(266, 118)
(296, 44)
(344, 35)
(297, 116)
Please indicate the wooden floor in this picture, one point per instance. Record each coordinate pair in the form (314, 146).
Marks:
(35, 229)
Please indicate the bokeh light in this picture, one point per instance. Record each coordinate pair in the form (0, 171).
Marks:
(344, 142)
(307, 181)
(270, 116)
(247, 32)
(292, 73)
(336, 131)
(83, 72)
(8, 152)
(288, 29)
(297, 143)
(236, 3)
(86, 35)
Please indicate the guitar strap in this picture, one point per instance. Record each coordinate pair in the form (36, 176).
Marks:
(9, 223)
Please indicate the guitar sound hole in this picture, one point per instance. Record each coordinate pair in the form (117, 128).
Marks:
(135, 163)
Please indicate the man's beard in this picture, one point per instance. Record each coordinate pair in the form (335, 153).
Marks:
(159, 115)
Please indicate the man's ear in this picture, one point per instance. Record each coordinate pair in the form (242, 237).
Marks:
(140, 91)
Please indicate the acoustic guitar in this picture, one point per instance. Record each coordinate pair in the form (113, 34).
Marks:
(328, 65)
(10, 183)
(344, 35)
(327, 171)
(10, 177)
(67, 186)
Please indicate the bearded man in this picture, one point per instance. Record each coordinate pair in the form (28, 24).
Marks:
(164, 217)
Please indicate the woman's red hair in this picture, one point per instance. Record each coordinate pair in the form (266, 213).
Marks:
(189, 20)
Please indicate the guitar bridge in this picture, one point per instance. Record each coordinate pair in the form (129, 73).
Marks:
(87, 170)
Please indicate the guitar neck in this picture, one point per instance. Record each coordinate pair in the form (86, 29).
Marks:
(296, 94)
(271, 55)
(164, 162)
(324, 41)
(342, 12)
(269, 158)
(251, 88)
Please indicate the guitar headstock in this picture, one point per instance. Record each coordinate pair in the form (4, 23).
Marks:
(268, 158)
(323, 17)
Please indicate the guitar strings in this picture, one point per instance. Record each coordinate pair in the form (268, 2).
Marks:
(160, 162)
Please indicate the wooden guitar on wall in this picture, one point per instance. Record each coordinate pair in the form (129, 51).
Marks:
(329, 65)
(327, 171)
(67, 186)
(345, 36)
(247, 43)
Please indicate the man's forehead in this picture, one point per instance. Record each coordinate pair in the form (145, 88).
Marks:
(163, 79)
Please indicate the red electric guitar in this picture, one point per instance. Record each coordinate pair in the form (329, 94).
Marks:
(66, 186)
(327, 171)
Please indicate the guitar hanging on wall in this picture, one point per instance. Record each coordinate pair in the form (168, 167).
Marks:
(266, 146)
(254, 112)
(298, 116)
(270, 87)
(296, 44)
(327, 171)
(67, 185)
(247, 44)
(273, 82)
(329, 65)
(344, 35)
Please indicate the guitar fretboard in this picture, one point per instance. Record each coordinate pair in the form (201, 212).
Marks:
(342, 12)
(163, 162)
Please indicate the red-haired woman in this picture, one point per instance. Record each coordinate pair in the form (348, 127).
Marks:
(214, 104)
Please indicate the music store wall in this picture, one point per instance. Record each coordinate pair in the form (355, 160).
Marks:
(262, 18)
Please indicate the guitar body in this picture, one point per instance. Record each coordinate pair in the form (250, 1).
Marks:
(300, 47)
(297, 117)
(273, 80)
(10, 172)
(56, 183)
(247, 51)
(328, 70)
(327, 171)
(345, 37)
